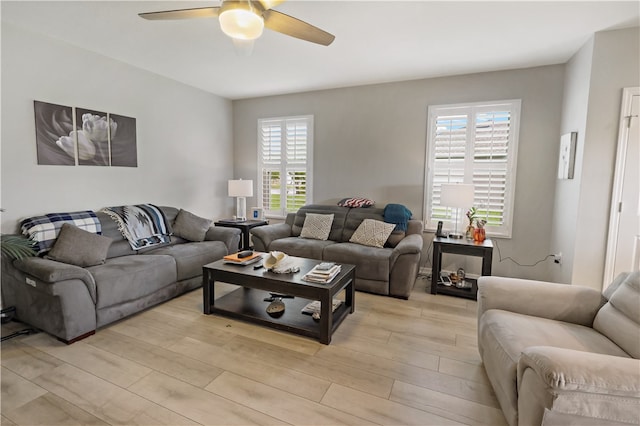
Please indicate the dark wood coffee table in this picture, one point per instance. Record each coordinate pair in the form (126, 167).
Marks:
(247, 302)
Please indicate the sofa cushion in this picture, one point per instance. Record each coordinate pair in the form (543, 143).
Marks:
(506, 334)
(395, 238)
(372, 263)
(339, 216)
(301, 247)
(190, 227)
(373, 233)
(317, 226)
(619, 319)
(127, 278)
(119, 245)
(191, 257)
(355, 218)
(79, 247)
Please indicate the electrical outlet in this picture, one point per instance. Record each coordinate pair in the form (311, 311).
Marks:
(557, 258)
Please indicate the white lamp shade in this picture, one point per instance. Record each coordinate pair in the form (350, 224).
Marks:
(240, 188)
(457, 195)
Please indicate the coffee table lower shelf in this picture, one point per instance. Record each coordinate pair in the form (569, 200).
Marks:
(247, 304)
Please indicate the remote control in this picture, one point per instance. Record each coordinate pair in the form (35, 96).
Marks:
(244, 254)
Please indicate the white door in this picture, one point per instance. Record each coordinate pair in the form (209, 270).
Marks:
(623, 250)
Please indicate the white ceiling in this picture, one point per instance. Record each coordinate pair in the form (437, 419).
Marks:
(376, 41)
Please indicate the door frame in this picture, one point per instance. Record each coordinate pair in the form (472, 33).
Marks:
(616, 194)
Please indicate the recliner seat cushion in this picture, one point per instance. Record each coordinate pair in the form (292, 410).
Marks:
(506, 334)
(301, 247)
(190, 258)
(128, 278)
(372, 263)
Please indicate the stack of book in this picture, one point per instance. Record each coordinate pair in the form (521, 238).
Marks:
(322, 273)
(235, 260)
(313, 308)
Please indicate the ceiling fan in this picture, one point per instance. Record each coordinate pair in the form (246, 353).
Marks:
(244, 21)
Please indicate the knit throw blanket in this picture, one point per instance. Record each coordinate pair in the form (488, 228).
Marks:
(398, 214)
(144, 225)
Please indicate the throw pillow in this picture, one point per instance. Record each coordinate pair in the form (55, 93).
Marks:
(373, 233)
(79, 247)
(356, 202)
(190, 227)
(317, 226)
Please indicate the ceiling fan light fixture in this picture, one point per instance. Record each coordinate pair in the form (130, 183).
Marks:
(241, 23)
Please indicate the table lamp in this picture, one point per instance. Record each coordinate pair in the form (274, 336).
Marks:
(241, 189)
(458, 196)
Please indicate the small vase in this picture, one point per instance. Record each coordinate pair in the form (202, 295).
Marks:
(479, 235)
(470, 232)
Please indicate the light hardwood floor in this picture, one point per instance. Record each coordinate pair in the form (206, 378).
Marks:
(393, 362)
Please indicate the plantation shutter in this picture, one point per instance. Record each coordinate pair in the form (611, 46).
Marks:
(491, 164)
(285, 145)
(297, 137)
(475, 144)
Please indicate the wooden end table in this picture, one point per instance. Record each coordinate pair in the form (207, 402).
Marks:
(244, 226)
(247, 302)
(464, 247)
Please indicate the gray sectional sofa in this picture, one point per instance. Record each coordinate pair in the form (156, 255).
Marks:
(561, 354)
(71, 302)
(389, 270)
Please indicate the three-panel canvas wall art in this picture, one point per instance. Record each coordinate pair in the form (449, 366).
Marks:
(70, 136)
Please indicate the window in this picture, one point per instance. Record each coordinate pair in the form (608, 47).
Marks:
(473, 144)
(285, 147)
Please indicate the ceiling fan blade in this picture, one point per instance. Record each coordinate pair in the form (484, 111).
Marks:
(200, 12)
(285, 24)
(269, 4)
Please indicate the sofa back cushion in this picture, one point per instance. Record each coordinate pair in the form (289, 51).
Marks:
(619, 318)
(355, 218)
(339, 216)
(120, 246)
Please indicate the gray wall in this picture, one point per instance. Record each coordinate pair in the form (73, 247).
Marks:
(596, 76)
(184, 135)
(370, 141)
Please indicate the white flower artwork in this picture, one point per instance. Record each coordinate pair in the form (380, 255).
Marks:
(95, 139)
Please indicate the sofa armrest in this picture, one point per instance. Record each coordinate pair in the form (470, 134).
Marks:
(51, 272)
(229, 236)
(263, 236)
(585, 384)
(562, 302)
(411, 244)
(404, 264)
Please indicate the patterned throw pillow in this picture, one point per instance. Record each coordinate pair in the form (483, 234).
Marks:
(356, 202)
(373, 233)
(317, 226)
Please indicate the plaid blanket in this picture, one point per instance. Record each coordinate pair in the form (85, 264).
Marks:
(44, 230)
(144, 225)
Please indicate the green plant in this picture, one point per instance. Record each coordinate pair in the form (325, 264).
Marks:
(472, 214)
(17, 246)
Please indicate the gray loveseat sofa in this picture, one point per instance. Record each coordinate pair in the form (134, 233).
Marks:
(562, 354)
(71, 302)
(388, 270)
